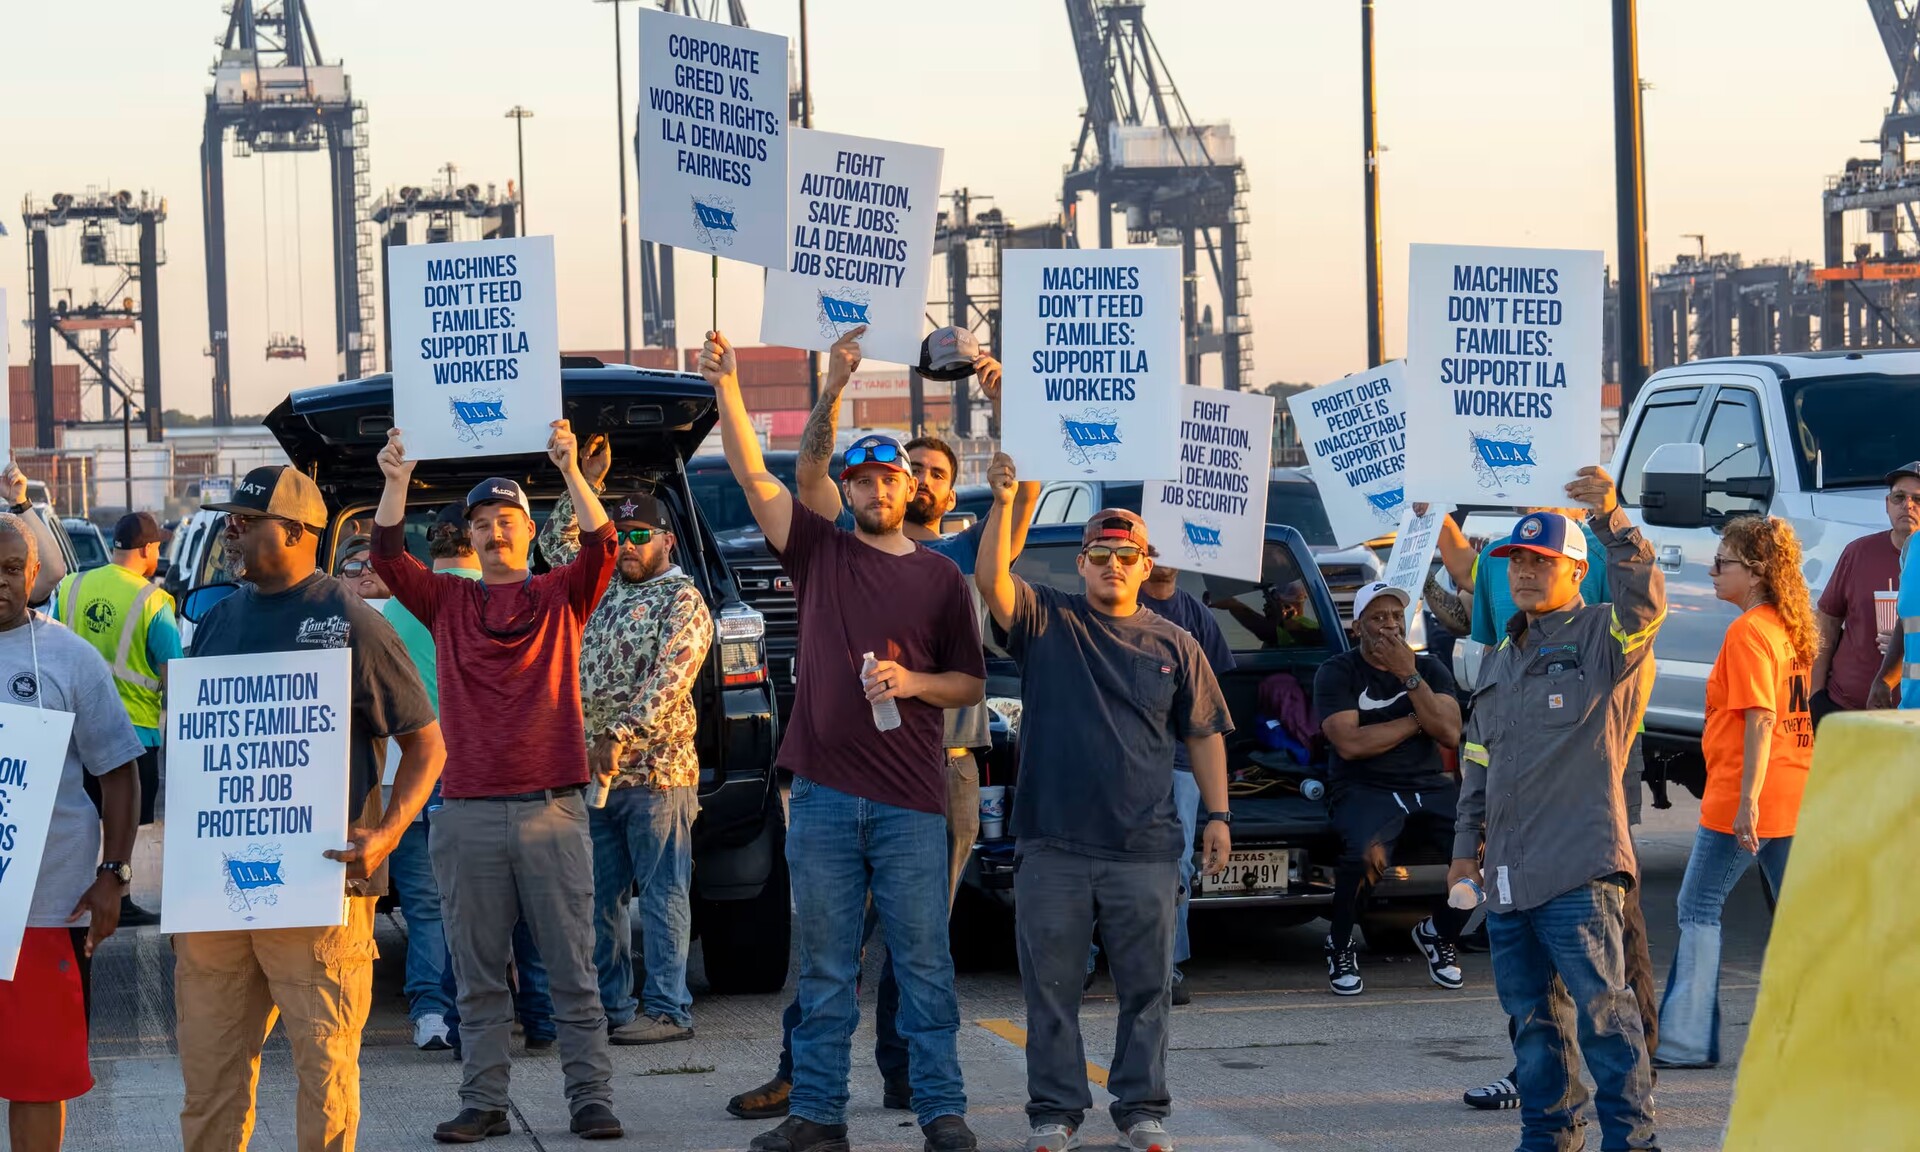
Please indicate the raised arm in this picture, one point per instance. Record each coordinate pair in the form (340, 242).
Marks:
(1635, 583)
(987, 370)
(404, 576)
(396, 472)
(560, 537)
(817, 489)
(767, 497)
(993, 568)
(563, 448)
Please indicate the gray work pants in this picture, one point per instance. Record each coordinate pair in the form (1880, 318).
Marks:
(496, 861)
(1058, 897)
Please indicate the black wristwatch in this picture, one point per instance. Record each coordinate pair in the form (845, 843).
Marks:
(1411, 683)
(117, 870)
(22, 508)
(1223, 817)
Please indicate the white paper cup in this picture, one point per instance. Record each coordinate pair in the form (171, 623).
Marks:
(993, 812)
(1885, 618)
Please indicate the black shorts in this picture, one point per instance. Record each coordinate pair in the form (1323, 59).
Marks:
(1405, 821)
(148, 766)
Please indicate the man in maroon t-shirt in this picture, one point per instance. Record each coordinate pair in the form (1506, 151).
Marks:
(889, 633)
(510, 839)
(1851, 646)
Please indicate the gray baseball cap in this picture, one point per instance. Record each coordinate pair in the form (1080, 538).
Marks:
(947, 354)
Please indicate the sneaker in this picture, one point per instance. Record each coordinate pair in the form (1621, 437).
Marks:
(472, 1126)
(897, 1096)
(1497, 1096)
(1343, 969)
(430, 1033)
(1181, 993)
(949, 1134)
(1149, 1136)
(1052, 1138)
(134, 916)
(596, 1122)
(762, 1103)
(539, 1043)
(1443, 960)
(797, 1135)
(649, 1030)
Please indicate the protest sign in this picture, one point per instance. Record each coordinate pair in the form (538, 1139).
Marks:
(476, 346)
(1213, 519)
(861, 237)
(1503, 372)
(257, 767)
(1412, 556)
(1354, 431)
(710, 138)
(6, 387)
(1093, 362)
(33, 754)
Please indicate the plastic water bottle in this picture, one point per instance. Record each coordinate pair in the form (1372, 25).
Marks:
(886, 713)
(1465, 895)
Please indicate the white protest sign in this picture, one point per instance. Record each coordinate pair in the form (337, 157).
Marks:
(33, 755)
(1503, 372)
(257, 765)
(1354, 431)
(861, 215)
(1412, 556)
(1093, 362)
(6, 386)
(710, 138)
(1213, 519)
(476, 346)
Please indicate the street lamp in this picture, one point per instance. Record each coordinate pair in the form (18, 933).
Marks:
(620, 110)
(520, 116)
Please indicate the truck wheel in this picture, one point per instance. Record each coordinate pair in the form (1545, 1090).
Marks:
(745, 943)
(1389, 928)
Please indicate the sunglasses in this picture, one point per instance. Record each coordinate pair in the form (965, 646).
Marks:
(1100, 555)
(634, 536)
(354, 569)
(1896, 499)
(878, 454)
(1720, 562)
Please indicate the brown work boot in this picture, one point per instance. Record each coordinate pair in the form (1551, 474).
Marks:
(762, 1103)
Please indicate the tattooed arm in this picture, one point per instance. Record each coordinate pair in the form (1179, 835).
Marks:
(817, 489)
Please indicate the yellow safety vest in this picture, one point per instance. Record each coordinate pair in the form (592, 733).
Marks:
(110, 608)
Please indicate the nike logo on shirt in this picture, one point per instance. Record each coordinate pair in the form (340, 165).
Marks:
(1369, 704)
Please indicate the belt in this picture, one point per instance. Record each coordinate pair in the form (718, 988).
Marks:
(538, 794)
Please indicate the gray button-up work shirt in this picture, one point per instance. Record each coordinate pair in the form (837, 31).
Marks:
(1552, 723)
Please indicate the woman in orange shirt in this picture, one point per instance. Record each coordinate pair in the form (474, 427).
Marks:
(1758, 745)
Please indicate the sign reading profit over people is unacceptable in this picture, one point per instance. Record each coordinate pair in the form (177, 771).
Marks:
(476, 346)
(861, 215)
(1354, 431)
(1093, 362)
(710, 138)
(1213, 519)
(1503, 372)
(33, 754)
(256, 791)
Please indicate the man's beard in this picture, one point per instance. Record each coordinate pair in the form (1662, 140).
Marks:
(920, 510)
(880, 521)
(639, 569)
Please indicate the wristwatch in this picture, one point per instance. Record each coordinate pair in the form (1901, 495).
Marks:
(117, 870)
(1223, 817)
(1411, 683)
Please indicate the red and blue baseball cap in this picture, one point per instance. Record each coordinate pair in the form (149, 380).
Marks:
(882, 451)
(1549, 534)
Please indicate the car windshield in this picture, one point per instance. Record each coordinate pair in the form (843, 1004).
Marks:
(720, 495)
(87, 548)
(1849, 430)
(1295, 503)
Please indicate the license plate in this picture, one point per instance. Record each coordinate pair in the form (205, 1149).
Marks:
(1256, 873)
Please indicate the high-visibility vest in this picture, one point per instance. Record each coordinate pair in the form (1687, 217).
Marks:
(111, 608)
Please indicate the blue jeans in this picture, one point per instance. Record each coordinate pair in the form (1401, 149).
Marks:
(1559, 968)
(645, 836)
(532, 1003)
(840, 848)
(1186, 798)
(1690, 1013)
(411, 871)
(889, 1050)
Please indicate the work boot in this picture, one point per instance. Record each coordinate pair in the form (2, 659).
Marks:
(949, 1134)
(472, 1126)
(134, 916)
(897, 1096)
(649, 1030)
(596, 1121)
(762, 1103)
(797, 1135)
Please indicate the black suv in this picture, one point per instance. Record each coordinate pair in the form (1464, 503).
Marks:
(654, 421)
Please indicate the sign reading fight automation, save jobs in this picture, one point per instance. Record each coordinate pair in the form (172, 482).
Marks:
(861, 237)
(1093, 362)
(1503, 371)
(710, 138)
(256, 791)
(33, 754)
(1354, 431)
(476, 346)
(1213, 519)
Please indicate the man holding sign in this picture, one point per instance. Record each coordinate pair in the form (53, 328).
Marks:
(45, 666)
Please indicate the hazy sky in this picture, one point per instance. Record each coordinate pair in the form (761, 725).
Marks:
(1496, 116)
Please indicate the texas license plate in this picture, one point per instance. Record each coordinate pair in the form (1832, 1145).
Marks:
(1256, 873)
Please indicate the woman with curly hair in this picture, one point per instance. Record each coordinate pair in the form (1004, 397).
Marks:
(1758, 745)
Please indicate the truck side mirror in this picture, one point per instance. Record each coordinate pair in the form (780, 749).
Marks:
(1674, 486)
(197, 603)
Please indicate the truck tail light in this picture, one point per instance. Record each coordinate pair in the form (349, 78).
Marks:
(743, 647)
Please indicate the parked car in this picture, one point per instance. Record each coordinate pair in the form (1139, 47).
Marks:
(89, 545)
(654, 419)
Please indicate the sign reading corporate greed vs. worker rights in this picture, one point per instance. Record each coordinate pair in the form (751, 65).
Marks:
(1503, 372)
(1354, 431)
(33, 756)
(1092, 363)
(710, 138)
(1213, 519)
(257, 767)
(862, 214)
(476, 346)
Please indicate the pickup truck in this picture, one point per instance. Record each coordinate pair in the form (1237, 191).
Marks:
(654, 420)
(1284, 845)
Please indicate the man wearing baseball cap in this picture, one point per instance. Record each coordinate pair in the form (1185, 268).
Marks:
(1109, 689)
(1541, 767)
(131, 622)
(1387, 712)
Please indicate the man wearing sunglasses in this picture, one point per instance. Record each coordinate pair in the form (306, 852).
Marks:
(867, 813)
(1852, 643)
(357, 570)
(1098, 837)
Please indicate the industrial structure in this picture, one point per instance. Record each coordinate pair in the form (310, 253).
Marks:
(453, 211)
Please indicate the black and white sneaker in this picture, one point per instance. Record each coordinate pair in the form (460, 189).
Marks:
(1500, 1094)
(1343, 969)
(1443, 960)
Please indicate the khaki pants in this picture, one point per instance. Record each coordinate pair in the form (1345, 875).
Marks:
(228, 989)
(963, 814)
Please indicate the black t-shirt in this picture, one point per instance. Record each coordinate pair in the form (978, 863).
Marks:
(322, 612)
(1347, 683)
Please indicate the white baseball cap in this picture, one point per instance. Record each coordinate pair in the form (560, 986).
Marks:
(1368, 593)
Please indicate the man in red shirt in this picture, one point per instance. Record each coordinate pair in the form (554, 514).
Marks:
(511, 837)
(1851, 646)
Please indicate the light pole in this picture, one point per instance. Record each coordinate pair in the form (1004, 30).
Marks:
(1630, 206)
(520, 116)
(806, 121)
(1376, 307)
(620, 111)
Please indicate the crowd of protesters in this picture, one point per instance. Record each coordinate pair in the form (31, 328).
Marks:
(517, 874)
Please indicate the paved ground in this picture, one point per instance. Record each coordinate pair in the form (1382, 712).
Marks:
(1264, 1058)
